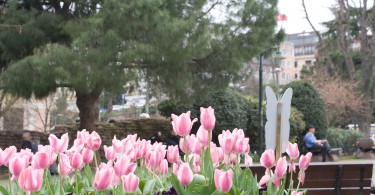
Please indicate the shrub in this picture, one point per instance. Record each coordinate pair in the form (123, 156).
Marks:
(345, 139)
(307, 100)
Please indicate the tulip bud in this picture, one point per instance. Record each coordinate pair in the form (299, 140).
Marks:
(130, 183)
(292, 151)
(207, 118)
(223, 180)
(94, 141)
(31, 180)
(59, 145)
(103, 178)
(185, 174)
(268, 158)
(172, 154)
(182, 124)
(281, 168)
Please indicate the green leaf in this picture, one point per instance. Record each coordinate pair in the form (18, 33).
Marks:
(208, 166)
(89, 174)
(149, 187)
(271, 188)
(3, 190)
(246, 180)
(176, 184)
(89, 189)
(198, 185)
(217, 192)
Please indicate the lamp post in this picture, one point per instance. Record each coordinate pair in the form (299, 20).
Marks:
(278, 57)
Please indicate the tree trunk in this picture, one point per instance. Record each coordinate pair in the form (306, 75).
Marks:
(88, 112)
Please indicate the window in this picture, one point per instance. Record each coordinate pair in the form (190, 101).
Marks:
(295, 64)
(295, 76)
(308, 62)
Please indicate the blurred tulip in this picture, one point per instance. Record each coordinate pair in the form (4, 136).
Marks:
(182, 124)
(304, 161)
(16, 165)
(27, 155)
(227, 141)
(8, 154)
(184, 174)
(292, 151)
(163, 168)
(76, 160)
(41, 160)
(94, 141)
(264, 180)
(202, 135)
(87, 155)
(64, 166)
(268, 158)
(281, 167)
(109, 152)
(296, 193)
(123, 166)
(103, 178)
(189, 143)
(172, 154)
(49, 151)
(207, 118)
(82, 138)
(223, 180)
(248, 160)
(130, 182)
(31, 180)
(59, 145)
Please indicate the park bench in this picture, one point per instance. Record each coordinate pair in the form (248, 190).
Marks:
(334, 154)
(339, 178)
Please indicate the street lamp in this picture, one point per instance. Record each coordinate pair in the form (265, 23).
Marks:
(278, 57)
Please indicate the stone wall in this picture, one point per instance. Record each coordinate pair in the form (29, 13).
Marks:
(144, 128)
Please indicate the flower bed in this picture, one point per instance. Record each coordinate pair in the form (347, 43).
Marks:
(135, 166)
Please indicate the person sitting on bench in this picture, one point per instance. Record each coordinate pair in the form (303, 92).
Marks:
(313, 144)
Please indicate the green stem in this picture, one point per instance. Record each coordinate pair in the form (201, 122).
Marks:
(60, 176)
(186, 151)
(96, 161)
(291, 181)
(154, 175)
(76, 181)
(10, 183)
(46, 172)
(299, 182)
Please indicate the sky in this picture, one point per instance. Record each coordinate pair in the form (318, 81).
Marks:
(318, 11)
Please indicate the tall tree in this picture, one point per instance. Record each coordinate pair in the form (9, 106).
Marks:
(350, 37)
(180, 44)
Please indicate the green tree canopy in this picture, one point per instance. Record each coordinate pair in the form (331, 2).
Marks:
(307, 100)
(179, 44)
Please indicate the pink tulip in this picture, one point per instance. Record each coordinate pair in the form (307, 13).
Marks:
(123, 166)
(82, 137)
(16, 165)
(49, 151)
(76, 160)
(103, 178)
(8, 154)
(304, 161)
(109, 164)
(248, 160)
(109, 152)
(41, 160)
(2, 154)
(118, 145)
(182, 124)
(31, 180)
(163, 168)
(27, 155)
(94, 141)
(264, 180)
(281, 167)
(292, 151)
(64, 167)
(189, 143)
(185, 174)
(208, 118)
(296, 193)
(154, 158)
(301, 176)
(87, 155)
(172, 154)
(196, 146)
(276, 181)
(59, 145)
(242, 146)
(202, 135)
(223, 180)
(227, 141)
(130, 183)
(268, 159)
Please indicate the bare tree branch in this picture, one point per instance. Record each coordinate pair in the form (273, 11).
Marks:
(308, 20)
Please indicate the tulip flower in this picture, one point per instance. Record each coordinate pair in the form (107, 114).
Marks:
(130, 183)
(103, 178)
(184, 174)
(296, 193)
(82, 138)
(227, 141)
(281, 168)
(242, 146)
(8, 154)
(2, 154)
(76, 160)
(304, 161)
(202, 136)
(87, 155)
(109, 152)
(208, 118)
(264, 180)
(196, 146)
(59, 145)
(163, 168)
(64, 166)
(172, 154)
(31, 180)
(123, 166)
(223, 180)
(27, 155)
(118, 145)
(292, 151)
(248, 160)
(189, 143)
(49, 151)
(268, 159)
(182, 124)
(94, 141)
(16, 165)
(41, 160)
